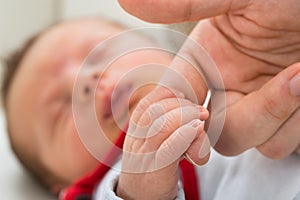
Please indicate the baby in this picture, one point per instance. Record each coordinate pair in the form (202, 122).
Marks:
(37, 95)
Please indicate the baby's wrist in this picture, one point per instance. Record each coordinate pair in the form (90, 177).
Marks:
(125, 190)
(122, 193)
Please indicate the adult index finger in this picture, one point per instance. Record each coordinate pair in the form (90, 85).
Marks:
(170, 11)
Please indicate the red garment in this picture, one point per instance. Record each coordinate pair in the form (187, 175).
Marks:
(83, 188)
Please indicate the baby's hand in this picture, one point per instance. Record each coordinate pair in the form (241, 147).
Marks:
(162, 129)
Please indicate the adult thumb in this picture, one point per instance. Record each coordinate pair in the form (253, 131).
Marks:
(265, 117)
(170, 11)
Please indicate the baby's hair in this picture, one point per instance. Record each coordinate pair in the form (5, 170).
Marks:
(11, 64)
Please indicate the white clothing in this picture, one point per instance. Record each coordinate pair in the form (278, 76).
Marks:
(249, 176)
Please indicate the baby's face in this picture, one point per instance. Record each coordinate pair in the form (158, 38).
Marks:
(39, 108)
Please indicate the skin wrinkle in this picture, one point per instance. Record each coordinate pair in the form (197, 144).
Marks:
(274, 61)
(280, 21)
(290, 50)
(257, 54)
(241, 47)
(189, 11)
(234, 44)
(286, 48)
(262, 76)
(281, 114)
(274, 151)
(239, 37)
(253, 79)
(266, 78)
(234, 7)
(270, 28)
(268, 107)
(265, 29)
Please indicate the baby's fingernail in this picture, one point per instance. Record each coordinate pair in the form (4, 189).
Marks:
(195, 123)
(201, 108)
(295, 85)
(205, 148)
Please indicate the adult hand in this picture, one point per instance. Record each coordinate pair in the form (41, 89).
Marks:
(255, 45)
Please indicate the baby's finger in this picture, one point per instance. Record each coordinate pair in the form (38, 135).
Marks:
(152, 112)
(166, 116)
(167, 105)
(149, 140)
(156, 95)
(166, 124)
(199, 151)
(176, 144)
(159, 108)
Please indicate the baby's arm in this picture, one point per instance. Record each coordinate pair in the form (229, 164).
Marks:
(158, 135)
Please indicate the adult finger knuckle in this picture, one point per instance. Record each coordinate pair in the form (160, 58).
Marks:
(272, 150)
(274, 111)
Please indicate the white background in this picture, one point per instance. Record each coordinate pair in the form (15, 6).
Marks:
(19, 19)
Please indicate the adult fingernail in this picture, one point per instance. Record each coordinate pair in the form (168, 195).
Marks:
(295, 85)
(205, 148)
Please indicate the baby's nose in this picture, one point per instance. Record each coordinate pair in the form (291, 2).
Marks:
(84, 84)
